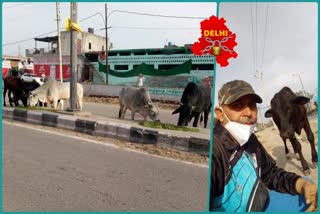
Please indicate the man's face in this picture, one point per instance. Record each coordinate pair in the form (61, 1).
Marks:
(243, 110)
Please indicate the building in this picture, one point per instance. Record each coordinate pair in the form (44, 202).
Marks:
(12, 64)
(46, 60)
(168, 67)
(166, 70)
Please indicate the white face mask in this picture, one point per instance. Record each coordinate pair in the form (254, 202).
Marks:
(241, 132)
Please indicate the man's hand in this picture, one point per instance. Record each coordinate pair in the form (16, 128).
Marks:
(310, 192)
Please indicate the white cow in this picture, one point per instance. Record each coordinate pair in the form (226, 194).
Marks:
(52, 92)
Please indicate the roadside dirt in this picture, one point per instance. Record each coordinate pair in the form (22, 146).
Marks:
(273, 143)
(166, 152)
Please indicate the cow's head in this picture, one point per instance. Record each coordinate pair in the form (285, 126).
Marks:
(185, 115)
(33, 99)
(152, 111)
(286, 110)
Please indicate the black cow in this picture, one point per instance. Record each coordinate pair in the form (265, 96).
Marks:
(29, 86)
(195, 100)
(289, 114)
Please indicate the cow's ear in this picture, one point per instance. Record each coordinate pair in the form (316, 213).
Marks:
(177, 110)
(268, 113)
(301, 100)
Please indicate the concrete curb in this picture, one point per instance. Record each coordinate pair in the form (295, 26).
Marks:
(108, 129)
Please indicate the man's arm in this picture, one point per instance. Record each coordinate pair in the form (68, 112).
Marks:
(217, 172)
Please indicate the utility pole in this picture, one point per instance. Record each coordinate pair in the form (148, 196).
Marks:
(304, 92)
(261, 117)
(259, 77)
(59, 40)
(106, 27)
(73, 59)
(298, 75)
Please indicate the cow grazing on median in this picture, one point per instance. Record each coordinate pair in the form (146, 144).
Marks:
(137, 100)
(14, 86)
(53, 92)
(195, 100)
(289, 114)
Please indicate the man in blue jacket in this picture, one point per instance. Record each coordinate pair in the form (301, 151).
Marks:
(244, 176)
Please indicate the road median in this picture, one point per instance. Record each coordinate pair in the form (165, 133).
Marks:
(106, 127)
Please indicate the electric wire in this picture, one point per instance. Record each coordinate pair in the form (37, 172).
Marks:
(123, 11)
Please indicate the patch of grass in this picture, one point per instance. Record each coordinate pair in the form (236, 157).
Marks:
(36, 108)
(159, 125)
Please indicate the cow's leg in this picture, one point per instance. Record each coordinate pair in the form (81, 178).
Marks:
(119, 116)
(121, 111)
(55, 103)
(201, 118)
(16, 95)
(4, 96)
(80, 100)
(11, 100)
(16, 100)
(297, 148)
(196, 119)
(10, 95)
(286, 148)
(310, 137)
(145, 115)
(132, 114)
(123, 114)
(206, 115)
(60, 104)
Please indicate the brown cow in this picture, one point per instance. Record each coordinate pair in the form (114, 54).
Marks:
(14, 85)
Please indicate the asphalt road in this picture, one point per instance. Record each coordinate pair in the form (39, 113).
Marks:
(51, 171)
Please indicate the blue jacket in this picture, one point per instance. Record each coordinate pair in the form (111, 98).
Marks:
(241, 176)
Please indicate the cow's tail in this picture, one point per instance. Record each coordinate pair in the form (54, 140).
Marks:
(120, 113)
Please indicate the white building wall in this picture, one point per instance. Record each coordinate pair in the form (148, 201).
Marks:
(97, 42)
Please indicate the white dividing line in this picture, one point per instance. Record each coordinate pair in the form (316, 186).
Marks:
(83, 139)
